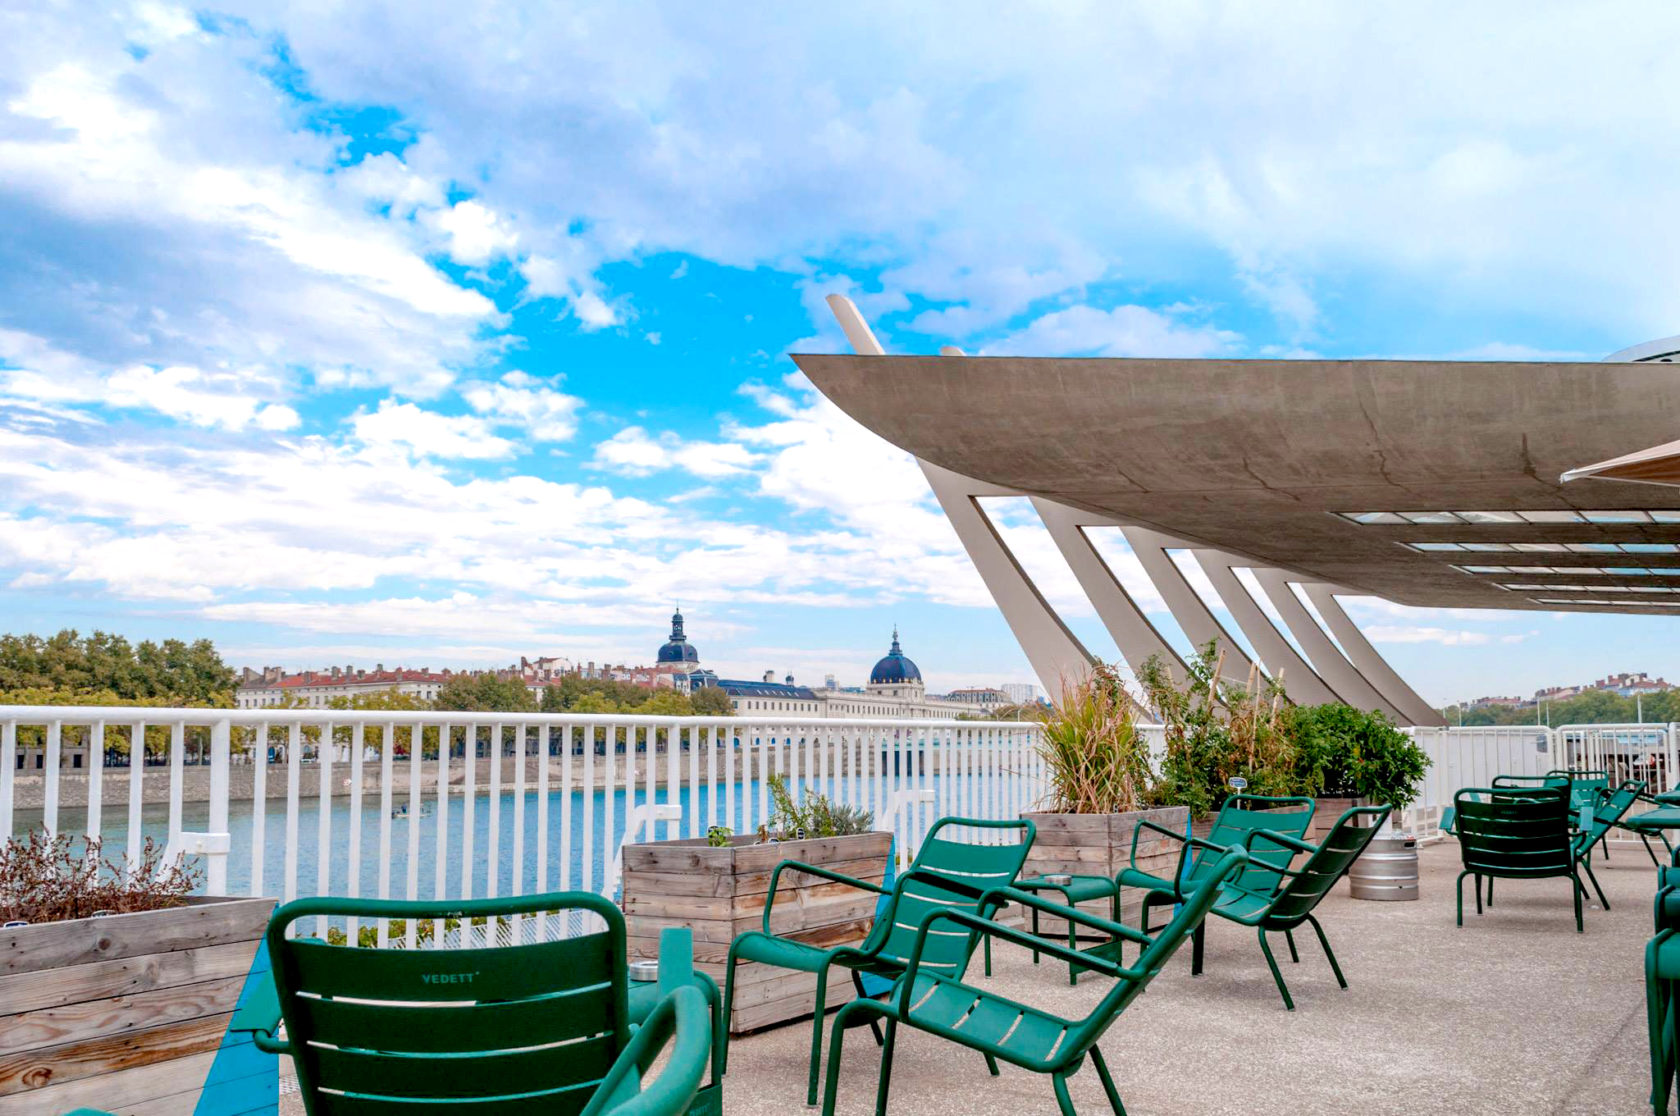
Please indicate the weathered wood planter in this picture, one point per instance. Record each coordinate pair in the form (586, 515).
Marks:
(1101, 845)
(1325, 813)
(123, 1013)
(720, 892)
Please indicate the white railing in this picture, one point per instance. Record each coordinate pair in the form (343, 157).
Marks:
(1471, 757)
(296, 802)
(1645, 752)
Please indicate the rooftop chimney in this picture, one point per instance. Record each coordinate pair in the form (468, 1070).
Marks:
(769, 676)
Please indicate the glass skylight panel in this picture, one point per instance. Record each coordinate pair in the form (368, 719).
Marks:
(1650, 548)
(1616, 516)
(1373, 517)
(1486, 546)
(1431, 517)
(1540, 548)
(1593, 548)
(1551, 516)
(1665, 517)
(1492, 569)
(1618, 604)
(1489, 517)
(1426, 547)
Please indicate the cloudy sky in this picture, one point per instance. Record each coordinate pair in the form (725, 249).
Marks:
(441, 334)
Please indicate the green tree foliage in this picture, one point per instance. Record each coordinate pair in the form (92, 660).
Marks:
(1345, 752)
(103, 669)
(711, 701)
(1596, 707)
(485, 693)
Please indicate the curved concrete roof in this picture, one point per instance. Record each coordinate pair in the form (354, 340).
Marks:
(1258, 457)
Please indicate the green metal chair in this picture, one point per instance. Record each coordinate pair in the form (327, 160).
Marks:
(1240, 816)
(940, 1003)
(533, 1028)
(946, 875)
(1283, 908)
(1521, 835)
(1662, 988)
(1598, 816)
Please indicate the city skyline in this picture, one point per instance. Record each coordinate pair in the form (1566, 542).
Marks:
(484, 349)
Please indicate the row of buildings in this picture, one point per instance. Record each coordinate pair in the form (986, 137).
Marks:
(1625, 685)
(895, 688)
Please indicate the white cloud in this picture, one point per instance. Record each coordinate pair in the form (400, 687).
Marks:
(475, 233)
(425, 433)
(634, 452)
(519, 399)
(1406, 633)
(1122, 331)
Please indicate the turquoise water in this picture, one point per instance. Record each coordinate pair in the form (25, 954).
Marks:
(195, 817)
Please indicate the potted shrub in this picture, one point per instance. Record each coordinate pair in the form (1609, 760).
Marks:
(1097, 764)
(1348, 757)
(716, 885)
(115, 988)
(1218, 732)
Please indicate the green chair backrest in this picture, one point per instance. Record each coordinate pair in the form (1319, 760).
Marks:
(1241, 815)
(974, 865)
(1607, 810)
(1584, 786)
(1518, 782)
(1515, 832)
(1311, 882)
(502, 1029)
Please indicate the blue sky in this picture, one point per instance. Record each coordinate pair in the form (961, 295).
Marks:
(394, 334)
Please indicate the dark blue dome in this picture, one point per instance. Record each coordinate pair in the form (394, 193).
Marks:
(677, 649)
(895, 668)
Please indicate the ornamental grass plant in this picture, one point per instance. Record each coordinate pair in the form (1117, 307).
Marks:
(1096, 758)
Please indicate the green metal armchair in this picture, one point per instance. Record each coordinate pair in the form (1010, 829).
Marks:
(1662, 988)
(1515, 834)
(946, 875)
(1598, 816)
(543, 1027)
(929, 999)
(1240, 816)
(1286, 907)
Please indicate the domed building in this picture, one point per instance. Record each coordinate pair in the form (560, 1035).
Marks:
(896, 675)
(677, 651)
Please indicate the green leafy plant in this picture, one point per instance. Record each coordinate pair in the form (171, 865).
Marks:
(718, 836)
(42, 879)
(817, 816)
(1096, 759)
(1345, 752)
(1217, 730)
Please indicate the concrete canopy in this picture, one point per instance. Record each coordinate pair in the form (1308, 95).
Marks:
(1270, 460)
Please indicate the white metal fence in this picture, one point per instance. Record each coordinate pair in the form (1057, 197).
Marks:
(388, 804)
(441, 805)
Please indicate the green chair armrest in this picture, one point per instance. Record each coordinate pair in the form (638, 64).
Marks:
(812, 870)
(259, 1016)
(991, 929)
(681, 1021)
(1072, 914)
(939, 879)
(676, 959)
(1281, 839)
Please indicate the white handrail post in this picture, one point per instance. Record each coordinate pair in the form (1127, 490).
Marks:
(221, 750)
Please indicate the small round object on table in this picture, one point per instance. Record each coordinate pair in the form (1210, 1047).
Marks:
(645, 972)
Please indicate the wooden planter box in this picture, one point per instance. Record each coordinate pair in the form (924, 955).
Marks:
(719, 893)
(123, 1013)
(1325, 813)
(1101, 845)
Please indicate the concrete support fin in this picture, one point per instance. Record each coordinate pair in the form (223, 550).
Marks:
(1055, 653)
(1136, 637)
(1182, 600)
(1412, 708)
(1332, 666)
(1299, 679)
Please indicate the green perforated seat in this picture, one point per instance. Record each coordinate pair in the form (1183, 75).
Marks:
(1002, 1029)
(1286, 907)
(947, 874)
(543, 1027)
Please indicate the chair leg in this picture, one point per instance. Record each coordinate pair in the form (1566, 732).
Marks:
(1479, 892)
(886, 1068)
(1294, 954)
(1197, 938)
(728, 1002)
(1063, 1101)
(1034, 933)
(1107, 1082)
(986, 940)
(1331, 956)
(1073, 944)
(991, 1065)
(837, 1039)
(1490, 892)
(1649, 851)
(1461, 876)
(1587, 864)
(1276, 975)
(874, 1027)
(812, 1074)
(1580, 927)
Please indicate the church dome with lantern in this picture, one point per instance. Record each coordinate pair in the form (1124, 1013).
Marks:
(677, 649)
